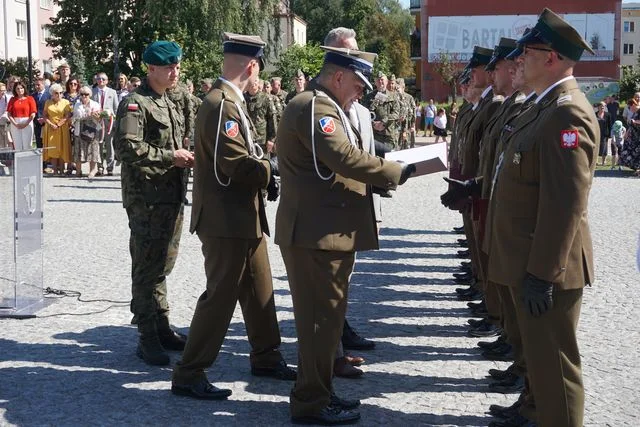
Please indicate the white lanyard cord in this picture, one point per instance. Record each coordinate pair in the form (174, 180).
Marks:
(346, 126)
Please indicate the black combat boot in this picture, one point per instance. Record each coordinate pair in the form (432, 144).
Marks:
(170, 339)
(149, 347)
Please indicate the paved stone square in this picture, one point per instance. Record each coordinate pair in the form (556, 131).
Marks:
(81, 369)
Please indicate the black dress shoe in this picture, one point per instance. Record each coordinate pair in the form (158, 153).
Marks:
(280, 372)
(172, 340)
(490, 344)
(501, 349)
(463, 276)
(329, 416)
(465, 264)
(467, 290)
(476, 305)
(475, 323)
(501, 374)
(202, 390)
(347, 404)
(463, 241)
(474, 296)
(459, 230)
(505, 412)
(515, 384)
(509, 356)
(515, 421)
(480, 312)
(465, 281)
(463, 254)
(486, 330)
(352, 341)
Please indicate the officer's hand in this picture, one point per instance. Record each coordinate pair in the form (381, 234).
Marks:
(273, 162)
(183, 158)
(378, 125)
(407, 171)
(537, 295)
(273, 189)
(459, 190)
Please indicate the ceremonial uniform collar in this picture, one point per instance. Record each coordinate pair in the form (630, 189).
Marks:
(486, 91)
(233, 87)
(550, 88)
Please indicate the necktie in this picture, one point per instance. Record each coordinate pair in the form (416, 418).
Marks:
(101, 98)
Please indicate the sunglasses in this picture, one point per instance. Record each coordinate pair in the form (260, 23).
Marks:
(85, 94)
(73, 84)
(101, 78)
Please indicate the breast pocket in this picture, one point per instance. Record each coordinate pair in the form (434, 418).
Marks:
(158, 130)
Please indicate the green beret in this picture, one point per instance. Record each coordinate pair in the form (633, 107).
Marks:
(162, 52)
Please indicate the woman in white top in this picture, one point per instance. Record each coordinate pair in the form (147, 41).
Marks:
(86, 122)
(440, 125)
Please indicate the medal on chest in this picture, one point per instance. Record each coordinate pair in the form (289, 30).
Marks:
(516, 158)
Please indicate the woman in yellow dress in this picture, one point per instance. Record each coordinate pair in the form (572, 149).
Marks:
(56, 136)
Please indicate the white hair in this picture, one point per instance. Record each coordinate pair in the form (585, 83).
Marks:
(336, 35)
(56, 87)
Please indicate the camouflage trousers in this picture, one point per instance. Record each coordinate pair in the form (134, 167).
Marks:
(153, 245)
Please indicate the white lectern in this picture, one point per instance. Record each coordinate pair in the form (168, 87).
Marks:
(21, 239)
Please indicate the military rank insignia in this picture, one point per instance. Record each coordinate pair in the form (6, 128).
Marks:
(569, 138)
(327, 125)
(231, 128)
(516, 158)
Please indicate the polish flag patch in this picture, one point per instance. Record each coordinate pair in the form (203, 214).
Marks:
(231, 128)
(132, 107)
(327, 125)
(569, 139)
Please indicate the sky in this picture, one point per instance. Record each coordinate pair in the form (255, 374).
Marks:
(405, 3)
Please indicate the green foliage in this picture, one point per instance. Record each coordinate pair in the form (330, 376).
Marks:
(308, 58)
(18, 67)
(629, 83)
(448, 66)
(98, 26)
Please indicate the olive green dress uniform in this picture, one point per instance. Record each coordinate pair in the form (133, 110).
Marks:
(263, 115)
(387, 108)
(325, 215)
(149, 129)
(229, 217)
(539, 225)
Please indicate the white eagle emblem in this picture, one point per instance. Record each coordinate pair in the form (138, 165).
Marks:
(569, 138)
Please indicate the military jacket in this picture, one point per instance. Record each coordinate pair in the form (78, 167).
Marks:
(457, 136)
(326, 203)
(410, 110)
(263, 115)
(279, 102)
(149, 129)
(538, 208)
(228, 177)
(290, 96)
(182, 99)
(473, 134)
(387, 108)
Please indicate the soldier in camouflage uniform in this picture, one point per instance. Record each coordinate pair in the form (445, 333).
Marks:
(279, 96)
(408, 134)
(299, 83)
(179, 95)
(195, 105)
(263, 115)
(148, 141)
(386, 109)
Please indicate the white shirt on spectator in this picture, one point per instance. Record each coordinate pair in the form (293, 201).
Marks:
(440, 121)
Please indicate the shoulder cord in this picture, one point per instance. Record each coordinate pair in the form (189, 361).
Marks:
(345, 124)
(251, 147)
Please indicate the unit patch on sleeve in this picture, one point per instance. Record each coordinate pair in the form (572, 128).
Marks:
(327, 125)
(231, 128)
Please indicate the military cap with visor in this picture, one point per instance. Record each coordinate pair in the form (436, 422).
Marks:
(465, 75)
(162, 52)
(558, 34)
(504, 48)
(481, 56)
(361, 63)
(518, 50)
(240, 44)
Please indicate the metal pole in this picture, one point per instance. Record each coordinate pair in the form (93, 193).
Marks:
(29, 52)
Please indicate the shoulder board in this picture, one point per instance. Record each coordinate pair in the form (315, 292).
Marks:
(564, 99)
(498, 98)
(521, 97)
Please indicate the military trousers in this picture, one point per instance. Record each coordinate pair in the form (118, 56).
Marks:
(467, 222)
(153, 245)
(237, 270)
(319, 283)
(553, 360)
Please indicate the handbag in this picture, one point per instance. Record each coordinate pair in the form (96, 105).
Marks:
(88, 131)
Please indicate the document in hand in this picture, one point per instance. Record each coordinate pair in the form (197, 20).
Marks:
(428, 158)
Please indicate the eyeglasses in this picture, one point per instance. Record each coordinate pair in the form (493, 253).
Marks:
(101, 78)
(84, 94)
(73, 84)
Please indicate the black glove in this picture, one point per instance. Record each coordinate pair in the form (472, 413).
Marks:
(273, 189)
(537, 295)
(407, 171)
(273, 162)
(381, 192)
(460, 190)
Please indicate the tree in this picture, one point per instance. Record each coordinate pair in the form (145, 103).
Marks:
(629, 83)
(595, 42)
(17, 67)
(119, 30)
(448, 66)
(308, 58)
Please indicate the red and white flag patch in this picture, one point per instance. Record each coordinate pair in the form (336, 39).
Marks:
(231, 128)
(327, 125)
(132, 107)
(569, 138)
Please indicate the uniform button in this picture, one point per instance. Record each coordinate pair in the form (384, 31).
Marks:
(563, 269)
(343, 205)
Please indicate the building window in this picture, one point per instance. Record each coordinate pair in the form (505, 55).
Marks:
(627, 49)
(46, 4)
(21, 29)
(629, 26)
(46, 66)
(45, 33)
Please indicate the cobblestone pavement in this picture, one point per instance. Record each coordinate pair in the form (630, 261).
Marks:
(81, 369)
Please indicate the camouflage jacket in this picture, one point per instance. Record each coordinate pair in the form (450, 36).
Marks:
(279, 101)
(182, 99)
(149, 129)
(410, 110)
(263, 115)
(387, 108)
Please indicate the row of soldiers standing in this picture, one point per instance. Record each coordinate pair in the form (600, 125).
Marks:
(522, 157)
